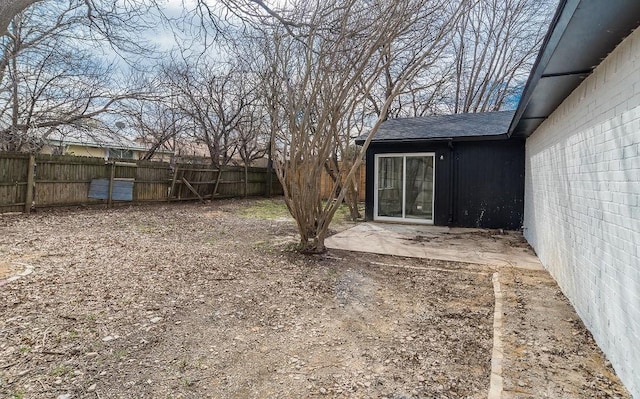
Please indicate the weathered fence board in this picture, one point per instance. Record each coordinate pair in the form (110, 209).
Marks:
(326, 183)
(151, 181)
(13, 181)
(65, 180)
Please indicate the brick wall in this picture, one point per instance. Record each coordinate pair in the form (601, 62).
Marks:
(582, 204)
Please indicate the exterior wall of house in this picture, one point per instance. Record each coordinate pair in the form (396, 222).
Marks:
(478, 183)
(77, 150)
(489, 184)
(83, 151)
(582, 204)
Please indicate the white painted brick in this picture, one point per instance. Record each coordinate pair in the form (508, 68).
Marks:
(630, 151)
(582, 204)
(632, 163)
(633, 102)
(634, 211)
(633, 187)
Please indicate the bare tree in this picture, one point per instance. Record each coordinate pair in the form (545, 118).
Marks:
(253, 139)
(252, 130)
(418, 96)
(207, 95)
(49, 82)
(111, 19)
(481, 68)
(51, 75)
(11, 8)
(495, 44)
(324, 55)
(159, 124)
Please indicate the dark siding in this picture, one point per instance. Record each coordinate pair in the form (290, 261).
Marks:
(368, 182)
(478, 184)
(489, 184)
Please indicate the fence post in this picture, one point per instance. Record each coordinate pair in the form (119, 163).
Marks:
(218, 178)
(111, 177)
(30, 183)
(173, 182)
(246, 180)
(268, 180)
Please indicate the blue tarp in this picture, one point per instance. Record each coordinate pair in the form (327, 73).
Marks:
(122, 189)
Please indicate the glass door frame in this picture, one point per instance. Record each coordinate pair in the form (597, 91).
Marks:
(404, 156)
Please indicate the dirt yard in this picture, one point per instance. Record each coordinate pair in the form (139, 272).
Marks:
(207, 301)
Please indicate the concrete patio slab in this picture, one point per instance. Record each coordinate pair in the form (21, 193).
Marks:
(488, 247)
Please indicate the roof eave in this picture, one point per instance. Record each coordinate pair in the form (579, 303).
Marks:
(562, 63)
(492, 137)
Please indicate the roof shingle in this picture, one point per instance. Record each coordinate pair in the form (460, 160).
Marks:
(456, 126)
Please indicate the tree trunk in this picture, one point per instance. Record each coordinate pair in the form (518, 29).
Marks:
(9, 9)
(314, 243)
(218, 178)
(352, 201)
(302, 196)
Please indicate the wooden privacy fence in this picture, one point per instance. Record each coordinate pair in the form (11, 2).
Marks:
(326, 183)
(41, 180)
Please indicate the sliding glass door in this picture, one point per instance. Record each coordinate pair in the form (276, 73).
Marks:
(404, 185)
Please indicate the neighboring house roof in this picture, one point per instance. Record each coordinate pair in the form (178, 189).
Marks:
(97, 139)
(582, 34)
(482, 125)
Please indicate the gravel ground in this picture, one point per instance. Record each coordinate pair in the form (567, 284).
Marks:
(207, 301)
(550, 354)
